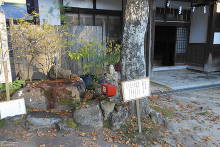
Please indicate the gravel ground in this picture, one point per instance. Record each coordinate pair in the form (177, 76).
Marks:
(195, 122)
(196, 118)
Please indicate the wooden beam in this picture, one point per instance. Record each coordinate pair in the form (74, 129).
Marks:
(151, 35)
(92, 11)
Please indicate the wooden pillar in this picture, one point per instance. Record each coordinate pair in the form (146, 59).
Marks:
(210, 36)
(151, 36)
(5, 75)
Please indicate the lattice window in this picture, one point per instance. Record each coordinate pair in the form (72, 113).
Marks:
(181, 40)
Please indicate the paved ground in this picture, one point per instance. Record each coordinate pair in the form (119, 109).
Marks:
(195, 122)
(183, 78)
(196, 118)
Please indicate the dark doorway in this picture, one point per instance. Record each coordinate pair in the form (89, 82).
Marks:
(165, 42)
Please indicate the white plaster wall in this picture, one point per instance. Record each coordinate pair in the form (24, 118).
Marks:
(199, 25)
(218, 7)
(176, 4)
(160, 3)
(14, 1)
(109, 4)
(216, 38)
(78, 3)
(173, 4)
(49, 10)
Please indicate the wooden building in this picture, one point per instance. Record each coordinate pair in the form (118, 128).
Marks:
(184, 32)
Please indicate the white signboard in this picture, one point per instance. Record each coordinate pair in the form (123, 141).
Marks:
(216, 38)
(135, 89)
(12, 108)
(4, 56)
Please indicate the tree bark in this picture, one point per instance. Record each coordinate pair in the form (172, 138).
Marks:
(133, 55)
(133, 61)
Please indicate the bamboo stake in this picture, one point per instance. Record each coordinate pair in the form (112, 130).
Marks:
(7, 88)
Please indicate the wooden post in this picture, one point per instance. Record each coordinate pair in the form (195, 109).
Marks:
(7, 88)
(6, 74)
(139, 115)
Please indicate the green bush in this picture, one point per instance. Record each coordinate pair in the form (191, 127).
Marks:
(2, 123)
(15, 85)
(102, 55)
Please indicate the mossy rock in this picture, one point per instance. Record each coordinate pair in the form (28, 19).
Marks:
(106, 124)
(18, 122)
(71, 124)
(2, 123)
(68, 102)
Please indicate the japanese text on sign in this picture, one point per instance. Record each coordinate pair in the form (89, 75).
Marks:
(135, 89)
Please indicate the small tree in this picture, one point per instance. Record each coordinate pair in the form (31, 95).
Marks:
(101, 55)
(37, 44)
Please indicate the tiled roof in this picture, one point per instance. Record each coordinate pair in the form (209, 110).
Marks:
(13, 10)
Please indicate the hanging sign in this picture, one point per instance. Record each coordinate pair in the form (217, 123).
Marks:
(135, 89)
(12, 108)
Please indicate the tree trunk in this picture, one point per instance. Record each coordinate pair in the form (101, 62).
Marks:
(133, 53)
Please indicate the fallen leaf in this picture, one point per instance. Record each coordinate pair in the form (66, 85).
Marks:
(82, 134)
(165, 145)
(208, 138)
(94, 138)
(127, 142)
(109, 139)
(179, 144)
(134, 145)
(154, 142)
(94, 133)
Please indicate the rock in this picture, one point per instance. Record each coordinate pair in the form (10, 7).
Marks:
(50, 94)
(88, 95)
(66, 125)
(113, 75)
(43, 119)
(158, 118)
(91, 116)
(80, 85)
(34, 98)
(118, 117)
(107, 108)
(64, 107)
(57, 72)
(18, 119)
(103, 80)
(62, 94)
(171, 125)
(23, 73)
(88, 79)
